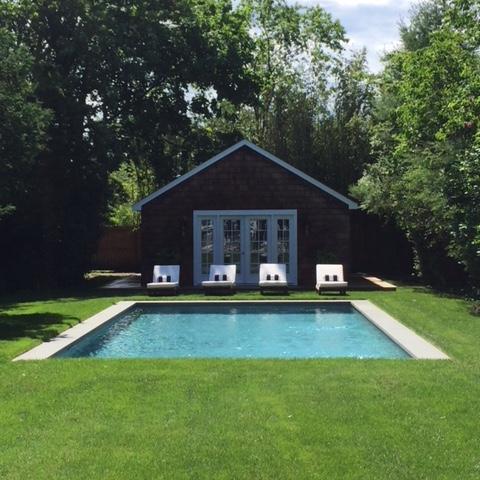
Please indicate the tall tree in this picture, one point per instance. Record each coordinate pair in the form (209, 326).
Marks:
(23, 122)
(426, 17)
(23, 125)
(117, 77)
(342, 140)
(295, 51)
(427, 141)
(313, 107)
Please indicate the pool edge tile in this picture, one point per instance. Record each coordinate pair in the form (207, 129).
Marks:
(411, 342)
(75, 333)
(415, 345)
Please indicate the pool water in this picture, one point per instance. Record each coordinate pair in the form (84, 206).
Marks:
(237, 331)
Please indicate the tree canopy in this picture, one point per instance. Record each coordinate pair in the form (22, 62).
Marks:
(426, 138)
(103, 101)
(116, 78)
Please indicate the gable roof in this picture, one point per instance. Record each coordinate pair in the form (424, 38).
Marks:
(245, 143)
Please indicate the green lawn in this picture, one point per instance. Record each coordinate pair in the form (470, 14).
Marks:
(241, 419)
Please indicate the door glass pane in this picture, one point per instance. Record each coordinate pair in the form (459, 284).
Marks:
(283, 241)
(258, 243)
(206, 231)
(231, 243)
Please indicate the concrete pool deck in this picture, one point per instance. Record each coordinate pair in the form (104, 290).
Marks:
(416, 346)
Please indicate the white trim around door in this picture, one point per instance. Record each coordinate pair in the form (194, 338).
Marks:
(246, 238)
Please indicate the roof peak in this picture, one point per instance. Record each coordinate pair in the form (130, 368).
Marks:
(245, 143)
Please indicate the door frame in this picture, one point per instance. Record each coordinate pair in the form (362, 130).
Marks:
(216, 216)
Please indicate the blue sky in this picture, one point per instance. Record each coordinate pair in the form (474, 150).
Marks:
(369, 23)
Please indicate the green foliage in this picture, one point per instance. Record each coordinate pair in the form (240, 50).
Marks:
(23, 126)
(463, 191)
(413, 184)
(312, 108)
(328, 135)
(129, 183)
(426, 142)
(426, 17)
(343, 137)
(23, 122)
(116, 77)
(294, 51)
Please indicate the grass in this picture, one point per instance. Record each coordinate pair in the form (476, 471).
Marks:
(240, 419)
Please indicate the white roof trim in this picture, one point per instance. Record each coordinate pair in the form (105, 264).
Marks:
(245, 143)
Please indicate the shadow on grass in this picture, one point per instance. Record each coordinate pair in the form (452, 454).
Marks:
(472, 303)
(9, 301)
(42, 326)
(441, 293)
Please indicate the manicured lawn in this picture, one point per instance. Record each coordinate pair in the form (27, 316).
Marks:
(345, 419)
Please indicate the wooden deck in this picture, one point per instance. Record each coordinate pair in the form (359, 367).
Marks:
(381, 284)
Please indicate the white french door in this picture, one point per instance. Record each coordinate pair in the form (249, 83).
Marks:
(246, 238)
(232, 244)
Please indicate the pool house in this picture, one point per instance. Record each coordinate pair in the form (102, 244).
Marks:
(245, 206)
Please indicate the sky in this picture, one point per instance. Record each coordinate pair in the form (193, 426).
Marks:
(369, 23)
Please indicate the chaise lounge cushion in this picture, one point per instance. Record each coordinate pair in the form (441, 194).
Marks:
(330, 277)
(272, 275)
(333, 285)
(221, 276)
(165, 277)
(272, 283)
(162, 285)
(217, 283)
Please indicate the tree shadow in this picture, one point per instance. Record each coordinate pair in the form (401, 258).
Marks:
(9, 301)
(472, 304)
(42, 326)
(441, 293)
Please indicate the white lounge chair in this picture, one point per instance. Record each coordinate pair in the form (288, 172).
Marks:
(330, 277)
(273, 276)
(221, 277)
(165, 279)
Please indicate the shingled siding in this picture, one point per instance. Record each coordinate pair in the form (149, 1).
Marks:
(244, 180)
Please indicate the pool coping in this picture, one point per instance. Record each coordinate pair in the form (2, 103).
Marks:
(416, 346)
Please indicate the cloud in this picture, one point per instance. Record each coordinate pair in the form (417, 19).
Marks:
(371, 27)
(373, 24)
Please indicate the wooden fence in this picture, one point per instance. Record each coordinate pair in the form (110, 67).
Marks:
(118, 249)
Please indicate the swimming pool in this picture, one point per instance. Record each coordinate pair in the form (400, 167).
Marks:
(260, 330)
